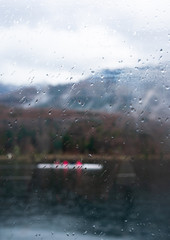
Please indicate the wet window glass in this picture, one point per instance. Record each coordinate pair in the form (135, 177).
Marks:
(84, 119)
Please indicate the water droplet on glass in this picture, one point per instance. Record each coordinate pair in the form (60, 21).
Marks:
(132, 109)
(142, 120)
(10, 124)
(9, 155)
(140, 100)
(11, 111)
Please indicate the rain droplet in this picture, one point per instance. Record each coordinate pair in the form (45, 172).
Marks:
(142, 120)
(140, 100)
(132, 110)
(10, 124)
(9, 155)
(11, 111)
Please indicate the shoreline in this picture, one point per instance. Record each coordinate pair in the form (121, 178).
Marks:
(35, 158)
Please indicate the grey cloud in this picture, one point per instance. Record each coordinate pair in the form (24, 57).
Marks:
(21, 12)
(118, 24)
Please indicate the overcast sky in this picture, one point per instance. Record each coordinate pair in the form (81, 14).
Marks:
(59, 41)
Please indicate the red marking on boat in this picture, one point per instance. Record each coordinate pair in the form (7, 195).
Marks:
(78, 163)
(65, 163)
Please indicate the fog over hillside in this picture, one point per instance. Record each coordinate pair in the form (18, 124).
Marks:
(138, 91)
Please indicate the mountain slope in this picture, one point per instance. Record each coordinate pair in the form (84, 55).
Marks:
(138, 91)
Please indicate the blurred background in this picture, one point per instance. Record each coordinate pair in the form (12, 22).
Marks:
(84, 119)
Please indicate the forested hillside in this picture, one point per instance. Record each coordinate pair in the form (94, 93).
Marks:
(62, 131)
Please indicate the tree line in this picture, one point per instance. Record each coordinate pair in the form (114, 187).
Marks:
(37, 131)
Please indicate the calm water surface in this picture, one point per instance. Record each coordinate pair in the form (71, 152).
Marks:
(111, 201)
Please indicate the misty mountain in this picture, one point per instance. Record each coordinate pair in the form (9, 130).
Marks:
(4, 89)
(137, 91)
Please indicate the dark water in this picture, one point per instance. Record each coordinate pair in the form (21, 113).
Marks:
(114, 202)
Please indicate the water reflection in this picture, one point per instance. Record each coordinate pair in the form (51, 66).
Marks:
(97, 201)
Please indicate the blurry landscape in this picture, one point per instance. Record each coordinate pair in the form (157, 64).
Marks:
(113, 112)
(84, 120)
(51, 137)
(36, 131)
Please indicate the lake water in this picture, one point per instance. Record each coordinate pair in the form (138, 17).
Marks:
(83, 201)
